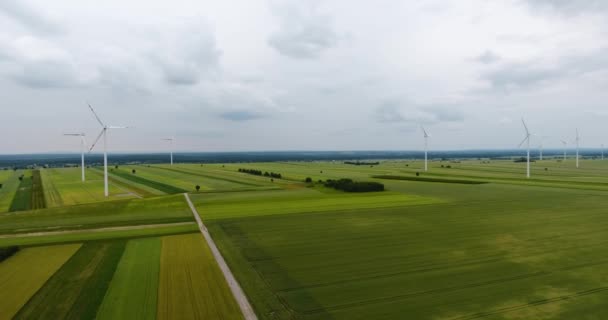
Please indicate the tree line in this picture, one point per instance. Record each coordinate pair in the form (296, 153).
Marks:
(348, 185)
(362, 163)
(256, 172)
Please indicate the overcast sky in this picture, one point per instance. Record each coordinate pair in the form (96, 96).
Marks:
(302, 75)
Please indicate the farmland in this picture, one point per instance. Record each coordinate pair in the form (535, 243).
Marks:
(467, 240)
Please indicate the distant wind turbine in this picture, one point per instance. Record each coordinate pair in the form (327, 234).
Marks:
(578, 139)
(565, 145)
(426, 147)
(170, 147)
(83, 147)
(527, 141)
(104, 133)
(602, 151)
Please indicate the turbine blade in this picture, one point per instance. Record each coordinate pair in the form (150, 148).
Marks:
(119, 127)
(97, 140)
(96, 116)
(426, 135)
(525, 126)
(522, 142)
(73, 134)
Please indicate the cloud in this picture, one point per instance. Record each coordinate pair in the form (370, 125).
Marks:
(570, 6)
(488, 57)
(27, 17)
(398, 112)
(240, 115)
(303, 33)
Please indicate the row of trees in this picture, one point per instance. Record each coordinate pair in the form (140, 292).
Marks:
(348, 185)
(362, 163)
(7, 252)
(259, 173)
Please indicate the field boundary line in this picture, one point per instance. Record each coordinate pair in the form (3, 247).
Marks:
(236, 289)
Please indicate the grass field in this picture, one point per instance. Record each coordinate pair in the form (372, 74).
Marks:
(507, 249)
(76, 290)
(23, 196)
(96, 215)
(191, 285)
(10, 183)
(26, 272)
(468, 239)
(134, 287)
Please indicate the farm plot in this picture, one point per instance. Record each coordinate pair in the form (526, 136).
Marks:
(76, 290)
(26, 272)
(10, 183)
(64, 187)
(23, 197)
(300, 201)
(134, 288)
(115, 213)
(191, 284)
(215, 179)
(501, 252)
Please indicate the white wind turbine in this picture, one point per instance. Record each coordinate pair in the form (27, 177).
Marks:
(527, 140)
(602, 151)
(83, 147)
(578, 139)
(426, 148)
(104, 133)
(170, 147)
(565, 145)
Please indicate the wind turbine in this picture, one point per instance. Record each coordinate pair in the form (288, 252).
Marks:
(426, 147)
(602, 151)
(578, 139)
(104, 133)
(565, 144)
(83, 147)
(527, 140)
(170, 147)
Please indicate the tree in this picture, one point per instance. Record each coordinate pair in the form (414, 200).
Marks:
(0, 185)
(308, 180)
(417, 174)
(133, 171)
(197, 188)
(116, 166)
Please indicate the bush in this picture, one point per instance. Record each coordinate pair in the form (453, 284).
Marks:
(361, 163)
(417, 174)
(308, 180)
(197, 188)
(5, 253)
(348, 185)
(133, 171)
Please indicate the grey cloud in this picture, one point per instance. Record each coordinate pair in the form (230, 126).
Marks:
(303, 33)
(523, 75)
(569, 6)
(240, 115)
(29, 18)
(45, 75)
(488, 57)
(399, 112)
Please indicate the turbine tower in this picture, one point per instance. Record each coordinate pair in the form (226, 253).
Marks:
(578, 139)
(565, 144)
(602, 151)
(170, 147)
(527, 140)
(426, 148)
(104, 133)
(83, 146)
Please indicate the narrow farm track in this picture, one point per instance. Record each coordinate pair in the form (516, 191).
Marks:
(52, 233)
(238, 293)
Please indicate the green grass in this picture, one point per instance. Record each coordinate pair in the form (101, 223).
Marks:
(88, 235)
(26, 272)
(133, 291)
(508, 249)
(23, 197)
(163, 187)
(76, 290)
(10, 184)
(425, 179)
(116, 213)
(191, 285)
(38, 199)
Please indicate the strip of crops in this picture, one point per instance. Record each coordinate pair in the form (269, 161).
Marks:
(51, 193)
(23, 196)
(212, 176)
(168, 189)
(191, 284)
(10, 184)
(38, 201)
(427, 179)
(134, 288)
(76, 290)
(26, 272)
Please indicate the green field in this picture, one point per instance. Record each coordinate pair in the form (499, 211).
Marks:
(26, 272)
(191, 284)
(134, 288)
(467, 240)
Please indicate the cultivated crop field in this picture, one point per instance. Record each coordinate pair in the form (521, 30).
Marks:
(469, 239)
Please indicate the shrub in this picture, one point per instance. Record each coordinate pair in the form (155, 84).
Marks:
(308, 180)
(417, 174)
(197, 188)
(133, 171)
(348, 185)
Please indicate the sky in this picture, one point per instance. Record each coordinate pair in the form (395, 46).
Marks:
(261, 75)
